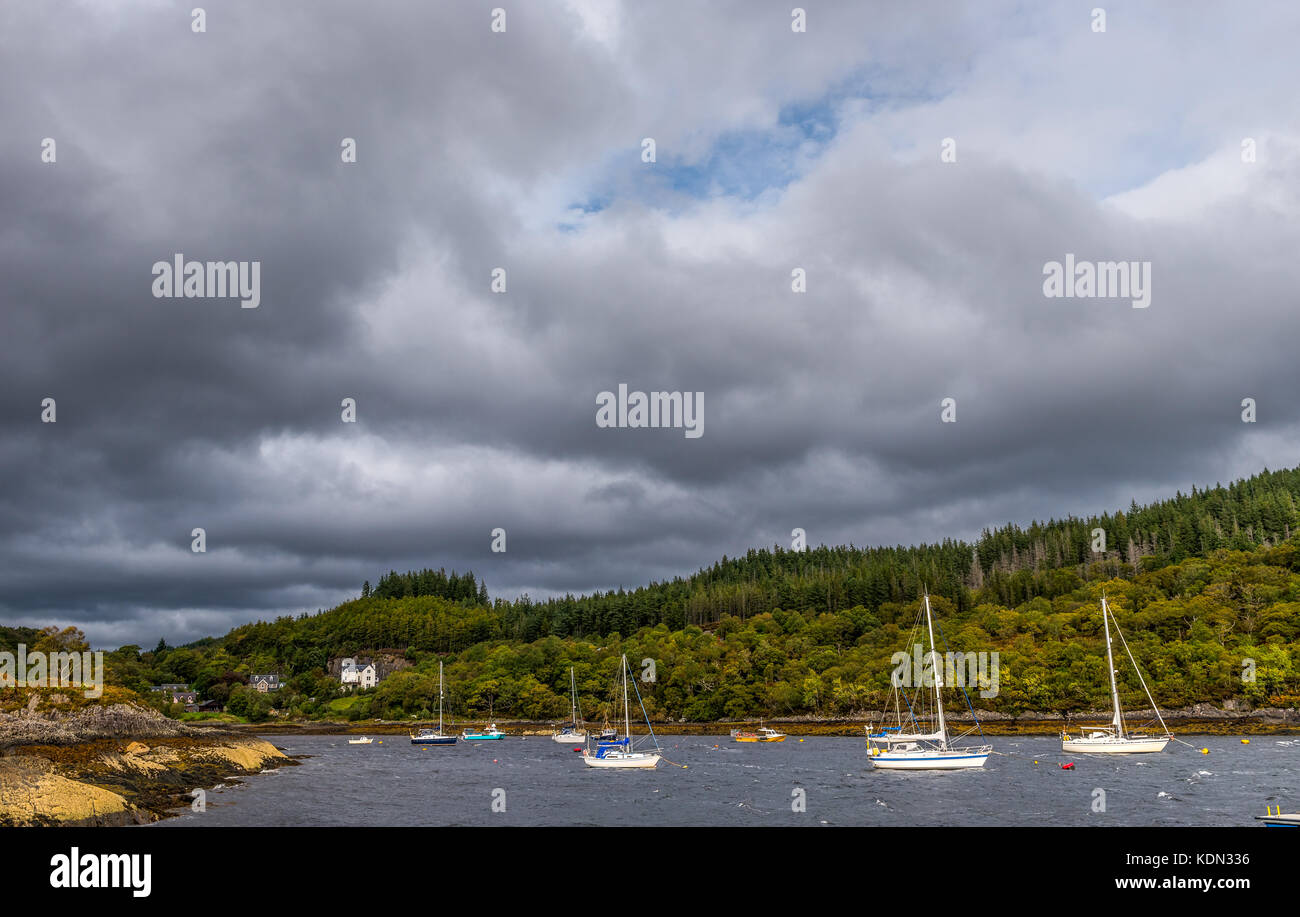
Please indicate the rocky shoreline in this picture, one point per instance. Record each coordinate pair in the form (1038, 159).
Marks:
(114, 765)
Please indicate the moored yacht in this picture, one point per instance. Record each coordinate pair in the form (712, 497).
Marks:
(1115, 739)
(622, 752)
(429, 736)
(573, 732)
(918, 750)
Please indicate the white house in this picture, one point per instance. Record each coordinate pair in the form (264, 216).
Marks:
(357, 675)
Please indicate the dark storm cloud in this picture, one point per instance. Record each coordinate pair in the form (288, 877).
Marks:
(476, 410)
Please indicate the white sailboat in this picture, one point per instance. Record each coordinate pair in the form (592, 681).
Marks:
(1115, 739)
(575, 732)
(621, 753)
(928, 750)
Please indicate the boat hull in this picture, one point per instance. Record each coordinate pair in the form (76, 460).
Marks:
(1280, 821)
(1113, 746)
(631, 761)
(568, 738)
(481, 738)
(434, 740)
(930, 761)
(759, 739)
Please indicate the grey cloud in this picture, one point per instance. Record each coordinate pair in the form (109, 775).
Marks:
(477, 410)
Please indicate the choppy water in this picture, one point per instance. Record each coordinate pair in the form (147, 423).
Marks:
(726, 783)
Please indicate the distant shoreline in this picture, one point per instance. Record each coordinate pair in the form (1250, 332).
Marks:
(1199, 720)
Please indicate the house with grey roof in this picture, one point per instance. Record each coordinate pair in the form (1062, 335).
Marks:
(264, 683)
(358, 673)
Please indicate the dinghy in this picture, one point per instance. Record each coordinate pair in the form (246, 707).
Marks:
(764, 734)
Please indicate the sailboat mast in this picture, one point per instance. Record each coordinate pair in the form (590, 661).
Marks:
(627, 717)
(938, 672)
(573, 696)
(1110, 664)
(439, 697)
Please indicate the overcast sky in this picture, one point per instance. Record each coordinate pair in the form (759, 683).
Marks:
(522, 149)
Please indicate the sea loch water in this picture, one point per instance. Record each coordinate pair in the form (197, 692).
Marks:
(535, 781)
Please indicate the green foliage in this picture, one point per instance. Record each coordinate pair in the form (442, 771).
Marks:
(1200, 584)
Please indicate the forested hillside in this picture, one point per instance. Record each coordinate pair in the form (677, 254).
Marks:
(1200, 583)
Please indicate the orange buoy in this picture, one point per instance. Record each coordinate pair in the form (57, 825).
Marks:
(1068, 766)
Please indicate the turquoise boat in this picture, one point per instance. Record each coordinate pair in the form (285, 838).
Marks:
(486, 735)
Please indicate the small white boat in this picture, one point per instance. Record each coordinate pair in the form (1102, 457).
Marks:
(572, 733)
(1115, 739)
(361, 741)
(918, 758)
(622, 753)
(618, 758)
(1104, 741)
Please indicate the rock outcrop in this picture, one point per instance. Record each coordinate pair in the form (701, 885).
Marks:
(32, 792)
(116, 721)
(113, 765)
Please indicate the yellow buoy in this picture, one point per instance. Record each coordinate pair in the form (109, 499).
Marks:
(1245, 741)
(801, 740)
(1205, 751)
